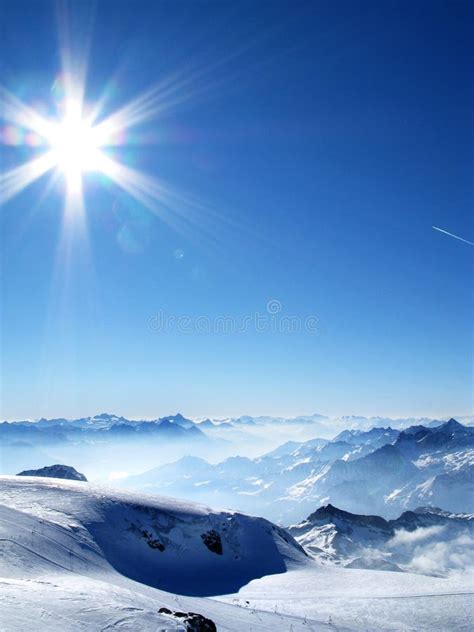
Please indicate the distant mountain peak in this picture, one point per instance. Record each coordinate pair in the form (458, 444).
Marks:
(107, 416)
(56, 471)
(452, 423)
(428, 509)
(331, 512)
(178, 420)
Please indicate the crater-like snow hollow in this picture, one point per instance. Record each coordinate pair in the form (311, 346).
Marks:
(168, 544)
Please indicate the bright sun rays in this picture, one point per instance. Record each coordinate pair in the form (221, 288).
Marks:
(72, 144)
(70, 138)
(77, 140)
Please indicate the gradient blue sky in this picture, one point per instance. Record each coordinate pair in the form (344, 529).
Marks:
(324, 141)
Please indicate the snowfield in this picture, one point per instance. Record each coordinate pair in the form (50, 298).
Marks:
(75, 556)
(365, 599)
(80, 557)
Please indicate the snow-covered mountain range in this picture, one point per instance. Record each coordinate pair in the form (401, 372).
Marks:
(109, 446)
(45, 430)
(100, 426)
(381, 470)
(427, 540)
(100, 444)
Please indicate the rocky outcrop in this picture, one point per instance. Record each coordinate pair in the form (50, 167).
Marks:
(152, 542)
(213, 541)
(194, 622)
(56, 471)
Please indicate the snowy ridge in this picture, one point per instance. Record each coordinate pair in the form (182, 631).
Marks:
(56, 471)
(146, 538)
(70, 553)
(360, 541)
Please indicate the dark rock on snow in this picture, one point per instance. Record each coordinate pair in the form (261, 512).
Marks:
(194, 622)
(213, 541)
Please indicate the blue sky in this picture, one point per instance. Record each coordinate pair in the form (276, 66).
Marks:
(322, 141)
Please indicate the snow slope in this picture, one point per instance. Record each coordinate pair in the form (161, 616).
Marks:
(74, 556)
(79, 557)
(149, 538)
(365, 600)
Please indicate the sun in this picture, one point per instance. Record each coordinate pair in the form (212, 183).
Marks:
(75, 145)
(78, 139)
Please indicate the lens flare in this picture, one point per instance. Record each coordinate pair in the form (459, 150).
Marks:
(80, 139)
(73, 144)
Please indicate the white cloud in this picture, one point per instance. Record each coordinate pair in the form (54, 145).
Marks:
(433, 550)
(408, 538)
(444, 557)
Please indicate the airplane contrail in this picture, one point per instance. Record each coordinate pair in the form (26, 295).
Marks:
(441, 230)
